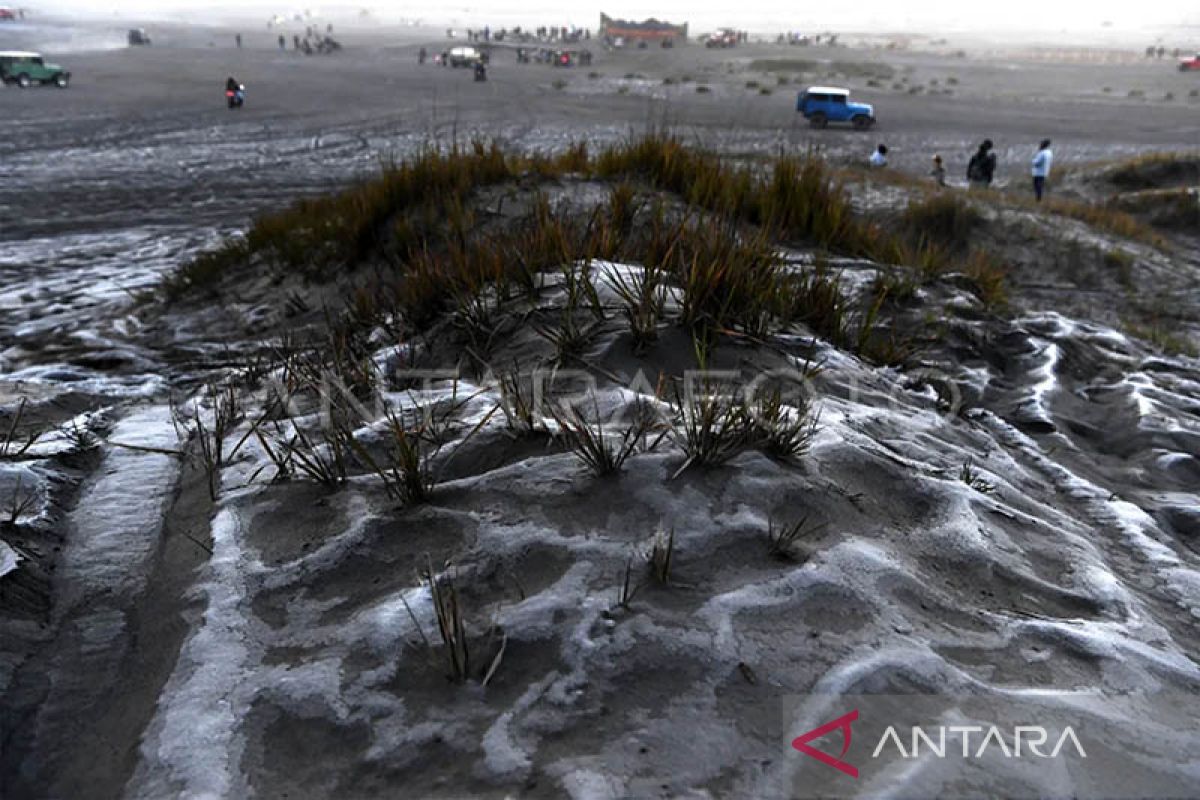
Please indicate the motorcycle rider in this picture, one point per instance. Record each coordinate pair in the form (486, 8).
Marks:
(235, 93)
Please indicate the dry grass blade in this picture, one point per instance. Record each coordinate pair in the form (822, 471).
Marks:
(628, 588)
(518, 402)
(781, 539)
(491, 672)
(19, 504)
(10, 446)
(448, 609)
(662, 555)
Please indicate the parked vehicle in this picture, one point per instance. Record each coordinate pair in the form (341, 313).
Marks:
(822, 105)
(464, 57)
(722, 39)
(26, 68)
(138, 37)
(7, 14)
(1189, 64)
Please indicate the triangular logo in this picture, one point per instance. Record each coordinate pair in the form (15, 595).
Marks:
(842, 723)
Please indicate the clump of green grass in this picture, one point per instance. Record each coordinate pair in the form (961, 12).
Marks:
(784, 431)
(1155, 170)
(601, 452)
(1168, 340)
(970, 477)
(559, 84)
(1177, 209)
(782, 538)
(407, 474)
(438, 253)
(1120, 262)
(711, 426)
(944, 220)
(643, 295)
(225, 410)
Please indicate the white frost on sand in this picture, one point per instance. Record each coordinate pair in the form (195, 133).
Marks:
(191, 748)
(118, 523)
(8, 559)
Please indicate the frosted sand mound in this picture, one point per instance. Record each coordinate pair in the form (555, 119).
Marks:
(1023, 546)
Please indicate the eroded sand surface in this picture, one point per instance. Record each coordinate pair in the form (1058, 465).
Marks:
(271, 644)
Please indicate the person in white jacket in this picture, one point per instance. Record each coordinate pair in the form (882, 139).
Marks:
(1041, 168)
(879, 157)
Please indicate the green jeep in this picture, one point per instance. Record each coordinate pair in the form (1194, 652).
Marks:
(26, 69)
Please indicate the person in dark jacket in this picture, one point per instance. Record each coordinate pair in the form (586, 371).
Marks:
(981, 169)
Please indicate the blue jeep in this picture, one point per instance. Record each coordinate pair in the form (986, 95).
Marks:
(822, 105)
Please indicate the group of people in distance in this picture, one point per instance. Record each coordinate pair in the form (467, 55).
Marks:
(981, 169)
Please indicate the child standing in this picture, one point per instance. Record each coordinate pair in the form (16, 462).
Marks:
(939, 171)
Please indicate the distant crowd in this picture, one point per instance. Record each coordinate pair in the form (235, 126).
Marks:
(544, 34)
(981, 169)
(1161, 52)
(804, 40)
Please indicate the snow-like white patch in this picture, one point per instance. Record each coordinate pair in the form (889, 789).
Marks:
(192, 746)
(8, 559)
(117, 525)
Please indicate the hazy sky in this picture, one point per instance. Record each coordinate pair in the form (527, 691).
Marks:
(957, 15)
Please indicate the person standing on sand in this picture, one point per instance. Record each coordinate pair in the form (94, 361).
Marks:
(939, 171)
(1042, 161)
(879, 157)
(981, 169)
(239, 41)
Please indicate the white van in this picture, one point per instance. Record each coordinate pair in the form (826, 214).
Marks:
(464, 57)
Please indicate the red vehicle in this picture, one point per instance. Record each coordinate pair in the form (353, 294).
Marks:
(7, 14)
(1189, 64)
